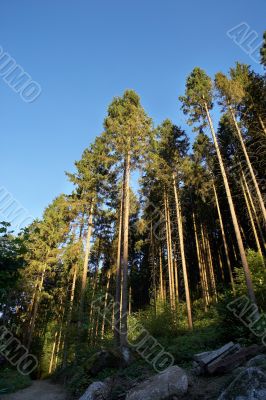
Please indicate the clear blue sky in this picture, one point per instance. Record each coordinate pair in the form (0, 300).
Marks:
(83, 53)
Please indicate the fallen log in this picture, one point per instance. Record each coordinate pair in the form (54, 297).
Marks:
(205, 358)
(232, 361)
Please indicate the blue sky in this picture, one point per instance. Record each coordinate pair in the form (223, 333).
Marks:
(83, 53)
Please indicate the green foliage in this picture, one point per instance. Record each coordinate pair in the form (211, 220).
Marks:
(11, 381)
(11, 261)
(263, 50)
(258, 274)
(199, 93)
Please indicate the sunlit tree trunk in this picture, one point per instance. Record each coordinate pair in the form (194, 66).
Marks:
(211, 268)
(105, 303)
(254, 211)
(85, 266)
(251, 220)
(233, 213)
(161, 275)
(35, 308)
(202, 277)
(52, 354)
(124, 255)
(258, 192)
(69, 314)
(117, 315)
(182, 252)
(169, 254)
(224, 239)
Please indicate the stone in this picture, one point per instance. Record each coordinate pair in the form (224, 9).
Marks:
(248, 385)
(171, 382)
(96, 391)
(258, 361)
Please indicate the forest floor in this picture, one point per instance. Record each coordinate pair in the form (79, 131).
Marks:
(39, 390)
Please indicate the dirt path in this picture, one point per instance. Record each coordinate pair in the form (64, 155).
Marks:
(39, 390)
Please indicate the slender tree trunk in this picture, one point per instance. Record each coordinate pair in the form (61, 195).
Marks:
(258, 192)
(205, 258)
(182, 252)
(169, 255)
(161, 275)
(233, 213)
(69, 314)
(35, 308)
(202, 277)
(176, 274)
(52, 354)
(85, 266)
(224, 239)
(124, 256)
(262, 124)
(153, 269)
(211, 268)
(117, 315)
(221, 265)
(251, 220)
(170, 251)
(105, 303)
(254, 211)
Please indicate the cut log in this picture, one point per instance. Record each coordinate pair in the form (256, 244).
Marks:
(232, 361)
(205, 358)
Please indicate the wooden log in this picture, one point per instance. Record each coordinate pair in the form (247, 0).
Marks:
(208, 356)
(232, 361)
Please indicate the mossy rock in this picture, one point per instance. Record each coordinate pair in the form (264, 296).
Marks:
(248, 385)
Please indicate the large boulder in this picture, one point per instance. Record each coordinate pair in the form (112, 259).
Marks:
(171, 382)
(258, 361)
(96, 391)
(248, 385)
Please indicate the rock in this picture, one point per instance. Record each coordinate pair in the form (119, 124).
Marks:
(104, 359)
(171, 382)
(248, 385)
(96, 391)
(258, 361)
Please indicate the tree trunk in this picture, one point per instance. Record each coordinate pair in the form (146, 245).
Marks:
(212, 275)
(105, 303)
(224, 239)
(85, 267)
(202, 277)
(182, 252)
(251, 220)
(258, 192)
(124, 256)
(117, 315)
(233, 213)
(35, 308)
(161, 275)
(52, 354)
(254, 211)
(262, 124)
(69, 314)
(169, 255)
(170, 252)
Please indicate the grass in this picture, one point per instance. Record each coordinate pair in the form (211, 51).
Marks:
(11, 381)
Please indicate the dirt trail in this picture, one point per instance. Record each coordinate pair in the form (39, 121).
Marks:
(39, 390)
